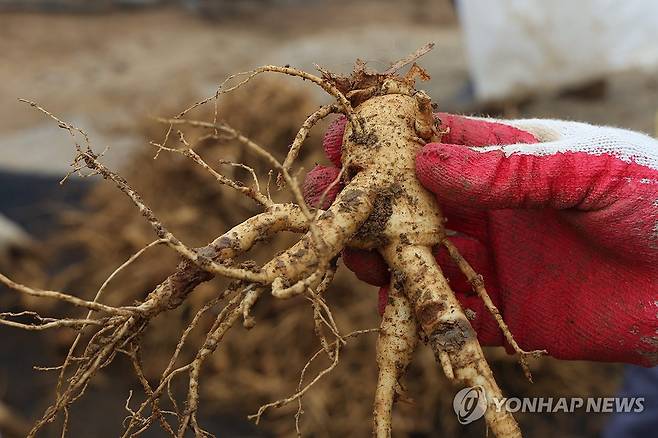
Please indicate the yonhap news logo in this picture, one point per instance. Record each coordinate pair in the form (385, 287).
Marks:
(471, 403)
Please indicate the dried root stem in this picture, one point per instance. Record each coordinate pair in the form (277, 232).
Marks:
(326, 85)
(252, 193)
(129, 321)
(225, 320)
(478, 285)
(97, 297)
(303, 132)
(45, 323)
(12, 285)
(336, 346)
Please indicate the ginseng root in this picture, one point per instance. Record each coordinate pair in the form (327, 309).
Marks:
(395, 347)
(382, 207)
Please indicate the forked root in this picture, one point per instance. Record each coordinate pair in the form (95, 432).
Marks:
(130, 321)
(446, 327)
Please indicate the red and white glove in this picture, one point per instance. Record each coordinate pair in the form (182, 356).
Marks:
(561, 219)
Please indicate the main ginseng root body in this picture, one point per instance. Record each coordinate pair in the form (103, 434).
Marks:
(404, 222)
(397, 125)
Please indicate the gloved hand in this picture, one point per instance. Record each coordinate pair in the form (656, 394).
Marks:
(561, 219)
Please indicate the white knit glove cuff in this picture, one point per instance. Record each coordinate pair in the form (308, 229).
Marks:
(559, 136)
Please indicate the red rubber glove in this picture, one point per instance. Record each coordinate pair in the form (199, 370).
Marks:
(561, 219)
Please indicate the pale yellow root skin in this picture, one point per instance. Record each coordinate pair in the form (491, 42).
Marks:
(401, 123)
(395, 347)
(445, 324)
(238, 240)
(337, 225)
(403, 221)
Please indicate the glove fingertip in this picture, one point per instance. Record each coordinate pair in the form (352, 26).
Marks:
(460, 175)
(369, 266)
(477, 132)
(316, 182)
(332, 141)
(444, 169)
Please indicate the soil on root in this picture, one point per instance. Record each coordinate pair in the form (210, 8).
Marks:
(263, 364)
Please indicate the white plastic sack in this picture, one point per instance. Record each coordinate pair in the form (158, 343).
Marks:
(519, 46)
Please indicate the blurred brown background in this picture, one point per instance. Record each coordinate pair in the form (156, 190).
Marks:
(107, 66)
